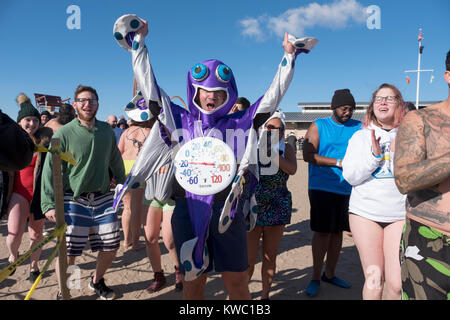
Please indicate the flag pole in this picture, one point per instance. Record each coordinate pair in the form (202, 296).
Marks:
(418, 68)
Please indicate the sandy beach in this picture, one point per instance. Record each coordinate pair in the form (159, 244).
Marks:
(130, 273)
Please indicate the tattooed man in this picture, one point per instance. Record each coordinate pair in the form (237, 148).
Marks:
(422, 171)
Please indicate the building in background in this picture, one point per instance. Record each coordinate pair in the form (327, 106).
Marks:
(299, 122)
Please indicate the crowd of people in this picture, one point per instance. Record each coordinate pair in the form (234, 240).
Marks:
(385, 180)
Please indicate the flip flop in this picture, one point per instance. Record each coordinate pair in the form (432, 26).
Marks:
(313, 288)
(336, 281)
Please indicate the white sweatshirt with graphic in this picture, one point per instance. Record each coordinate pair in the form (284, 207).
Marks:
(374, 194)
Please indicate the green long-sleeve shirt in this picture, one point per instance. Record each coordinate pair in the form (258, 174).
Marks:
(95, 152)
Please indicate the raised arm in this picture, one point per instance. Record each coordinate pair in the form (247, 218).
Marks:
(142, 67)
(413, 169)
(280, 83)
(155, 97)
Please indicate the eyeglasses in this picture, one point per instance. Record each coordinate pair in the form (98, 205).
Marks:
(272, 127)
(388, 99)
(84, 101)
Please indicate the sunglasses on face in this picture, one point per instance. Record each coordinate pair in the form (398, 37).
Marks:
(272, 127)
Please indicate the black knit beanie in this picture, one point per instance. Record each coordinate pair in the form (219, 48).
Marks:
(26, 108)
(342, 97)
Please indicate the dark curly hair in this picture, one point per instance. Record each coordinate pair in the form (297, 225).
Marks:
(66, 113)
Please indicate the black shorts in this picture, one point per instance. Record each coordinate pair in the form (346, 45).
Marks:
(329, 211)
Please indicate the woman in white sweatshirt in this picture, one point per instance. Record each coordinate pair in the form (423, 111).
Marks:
(377, 208)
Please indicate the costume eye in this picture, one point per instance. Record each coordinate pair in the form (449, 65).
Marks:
(223, 73)
(199, 72)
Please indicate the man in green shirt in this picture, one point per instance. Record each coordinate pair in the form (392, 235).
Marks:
(86, 187)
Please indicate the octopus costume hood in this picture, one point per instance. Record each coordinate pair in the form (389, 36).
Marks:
(157, 151)
(211, 75)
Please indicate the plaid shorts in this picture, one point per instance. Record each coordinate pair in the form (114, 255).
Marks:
(90, 217)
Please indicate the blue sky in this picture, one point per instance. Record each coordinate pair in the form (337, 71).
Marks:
(40, 54)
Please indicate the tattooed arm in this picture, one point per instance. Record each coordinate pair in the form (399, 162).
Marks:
(416, 168)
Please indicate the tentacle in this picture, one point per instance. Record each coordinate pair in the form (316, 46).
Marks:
(154, 154)
(187, 260)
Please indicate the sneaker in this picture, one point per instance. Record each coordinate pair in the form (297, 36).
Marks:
(335, 281)
(158, 282)
(101, 289)
(178, 280)
(34, 275)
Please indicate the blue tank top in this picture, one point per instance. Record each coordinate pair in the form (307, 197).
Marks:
(333, 141)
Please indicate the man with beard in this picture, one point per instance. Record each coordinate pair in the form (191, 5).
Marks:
(324, 147)
(86, 187)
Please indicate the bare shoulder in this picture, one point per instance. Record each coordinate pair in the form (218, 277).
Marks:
(435, 114)
(50, 122)
(436, 127)
(131, 132)
(127, 130)
(53, 124)
(313, 131)
(410, 140)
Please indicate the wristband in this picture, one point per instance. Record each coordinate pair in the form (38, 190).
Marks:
(378, 157)
(337, 162)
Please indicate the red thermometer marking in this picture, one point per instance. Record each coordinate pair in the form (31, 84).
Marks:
(203, 163)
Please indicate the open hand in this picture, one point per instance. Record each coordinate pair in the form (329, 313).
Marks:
(143, 31)
(288, 47)
(376, 149)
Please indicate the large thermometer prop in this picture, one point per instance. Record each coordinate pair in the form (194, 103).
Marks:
(205, 166)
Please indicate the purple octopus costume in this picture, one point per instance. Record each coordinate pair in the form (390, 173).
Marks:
(195, 122)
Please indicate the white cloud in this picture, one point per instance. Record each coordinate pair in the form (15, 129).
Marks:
(336, 15)
(251, 28)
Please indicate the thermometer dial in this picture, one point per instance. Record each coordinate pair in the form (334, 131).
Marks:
(205, 166)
